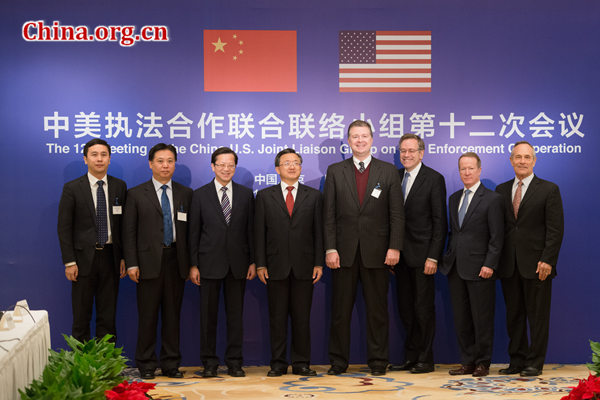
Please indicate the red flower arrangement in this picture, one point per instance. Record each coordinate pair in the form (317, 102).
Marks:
(130, 391)
(588, 389)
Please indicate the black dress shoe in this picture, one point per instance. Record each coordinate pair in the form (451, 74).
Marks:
(236, 372)
(481, 370)
(511, 370)
(147, 373)
(402, 367)
(531, 371)
(378, 371)
(276, 372)
(336, 370)
(209, 372)
(422, 368)
(173, 373)
(462, 370)
(304, 371)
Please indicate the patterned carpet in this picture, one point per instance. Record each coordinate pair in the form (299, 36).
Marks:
(357, 383)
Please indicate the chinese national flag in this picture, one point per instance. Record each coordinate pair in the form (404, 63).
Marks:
(249, 61)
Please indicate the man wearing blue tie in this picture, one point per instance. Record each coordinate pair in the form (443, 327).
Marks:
(156, 254)
(471, 264)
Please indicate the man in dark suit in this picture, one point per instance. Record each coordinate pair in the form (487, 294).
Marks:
(222, 255)
(157, 258)
(474, 246)
(425, 232)
(89, 231)
(534, 228)
(289, 253)
(364, 225)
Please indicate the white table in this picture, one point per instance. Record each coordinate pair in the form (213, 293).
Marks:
(27, 344)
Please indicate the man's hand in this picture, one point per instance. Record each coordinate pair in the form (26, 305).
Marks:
(71, 272)
(430, 267)
(332, 260)
(317, 274)
(543, 270)
(251, 272)
(263, 275)
(134, 274)
(486, 272)
(194, 275)
(122, 269)
(392, 257)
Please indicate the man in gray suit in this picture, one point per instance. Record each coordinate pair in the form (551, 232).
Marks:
(364, 225)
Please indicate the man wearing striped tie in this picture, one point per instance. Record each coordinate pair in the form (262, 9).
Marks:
(222, 256)
(534, 227)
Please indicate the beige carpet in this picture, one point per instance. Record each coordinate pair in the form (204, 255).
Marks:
(358, 384)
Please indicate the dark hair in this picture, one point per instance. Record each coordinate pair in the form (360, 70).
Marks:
(94, 142)
(472, 155)
(359, 122)
(286, 151)
(159, 147)
(223, 150)
(407, 136)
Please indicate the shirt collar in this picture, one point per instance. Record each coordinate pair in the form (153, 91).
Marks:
(526, 181)
(366, 161)
(473, 188)
(229, 186)
(415, 170)
(93, 180)
(158, 185)
(284, 186)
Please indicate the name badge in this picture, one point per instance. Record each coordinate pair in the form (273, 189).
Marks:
(181, 216)
(117, 210)
(376, 192)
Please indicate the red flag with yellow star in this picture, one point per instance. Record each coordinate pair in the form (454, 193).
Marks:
(249, 61)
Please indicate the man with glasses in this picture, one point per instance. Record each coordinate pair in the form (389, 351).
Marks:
(289, 253)
(424, 192)
(222, 255)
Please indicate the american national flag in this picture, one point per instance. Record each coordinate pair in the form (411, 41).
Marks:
(385, 61)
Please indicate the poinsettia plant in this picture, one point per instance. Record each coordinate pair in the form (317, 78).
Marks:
(130, 391)
(588, 389)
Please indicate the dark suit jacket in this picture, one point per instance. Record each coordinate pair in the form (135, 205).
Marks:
(215, 246)
(143, 229)
(77, 222)
(378, 224)
(537, 233)
(284, 244)
(426, 222)
(478, 242)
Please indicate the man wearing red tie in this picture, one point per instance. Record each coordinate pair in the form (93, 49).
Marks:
(289, 255)
(533, 219)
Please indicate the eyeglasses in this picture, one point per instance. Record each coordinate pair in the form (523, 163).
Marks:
(225, 166)
(288, 164)
(409, 151)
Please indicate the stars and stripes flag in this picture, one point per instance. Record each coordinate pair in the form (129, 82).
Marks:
(385, 61)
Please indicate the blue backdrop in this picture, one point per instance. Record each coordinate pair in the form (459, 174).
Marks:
(500, 72)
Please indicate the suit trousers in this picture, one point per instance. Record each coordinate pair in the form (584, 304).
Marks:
(164, 294)
(102, 284)
(233, 294)
(416, 306)
(527, 300)
(473, 304)
(290, 297)
(375, 283)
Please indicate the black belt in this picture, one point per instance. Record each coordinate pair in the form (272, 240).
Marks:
(105, 247)
(171, 246)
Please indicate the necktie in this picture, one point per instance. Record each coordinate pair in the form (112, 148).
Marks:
(101, 224)
(517, 198)
(289, 200)
(225, 205)
(405, 183)
(362, 167)
(167, 220)
(463, 208)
